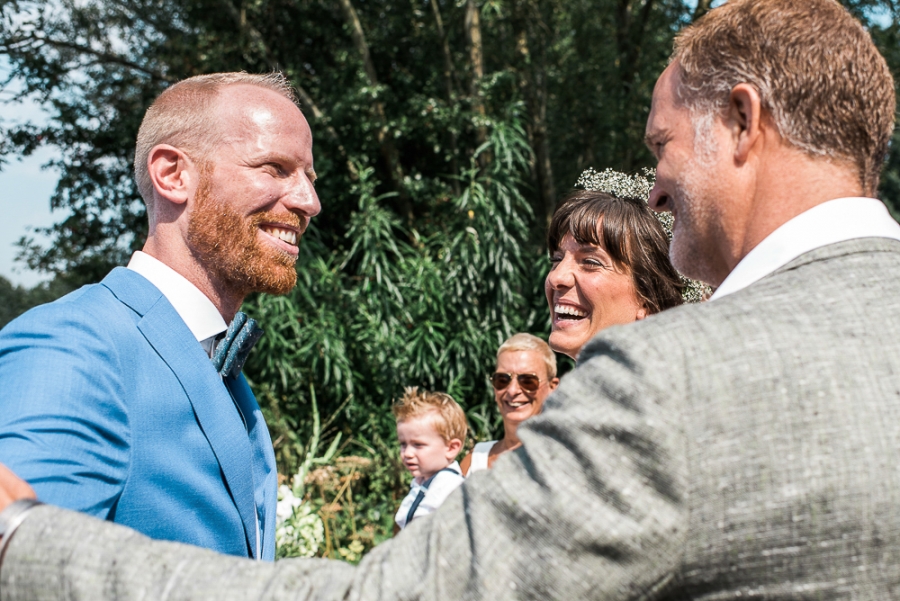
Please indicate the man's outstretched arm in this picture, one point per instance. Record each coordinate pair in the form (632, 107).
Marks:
(12, 488)
(591, 507)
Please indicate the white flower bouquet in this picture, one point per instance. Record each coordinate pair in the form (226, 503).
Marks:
(299, 531)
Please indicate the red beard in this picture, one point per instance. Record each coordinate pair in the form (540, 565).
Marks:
(226, 243)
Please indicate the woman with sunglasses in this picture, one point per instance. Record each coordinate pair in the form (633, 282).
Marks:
(609, 265)
(524, 377)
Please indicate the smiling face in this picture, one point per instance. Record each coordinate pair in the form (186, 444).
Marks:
(423, 451)
(256, 194)
(587, 292)
(691, 176)
(517, 405)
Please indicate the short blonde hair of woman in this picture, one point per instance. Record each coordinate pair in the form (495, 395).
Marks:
(447, 416)
(184, 116)
(530, 342)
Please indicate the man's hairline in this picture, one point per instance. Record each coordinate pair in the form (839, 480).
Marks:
(699, 110)
(199, 155)
(701, 120)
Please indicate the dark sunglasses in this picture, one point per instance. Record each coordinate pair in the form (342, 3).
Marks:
(527, 382)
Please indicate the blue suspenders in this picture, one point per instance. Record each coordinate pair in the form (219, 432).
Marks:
(421, 495)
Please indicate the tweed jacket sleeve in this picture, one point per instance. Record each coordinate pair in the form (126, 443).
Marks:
(744, 448)
(590, 508)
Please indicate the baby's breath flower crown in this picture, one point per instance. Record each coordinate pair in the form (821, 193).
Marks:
(639, 186)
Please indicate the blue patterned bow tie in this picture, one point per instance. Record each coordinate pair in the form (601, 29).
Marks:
(233, 350)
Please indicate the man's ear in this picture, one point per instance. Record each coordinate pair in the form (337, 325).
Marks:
(745, 119)
(174, 175)
(553, 383)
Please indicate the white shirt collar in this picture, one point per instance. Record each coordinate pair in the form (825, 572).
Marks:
(198, 312)
(828, 223)
(453, 466)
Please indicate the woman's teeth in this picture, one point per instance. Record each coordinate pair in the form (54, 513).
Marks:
(288, 236)
(569, 310)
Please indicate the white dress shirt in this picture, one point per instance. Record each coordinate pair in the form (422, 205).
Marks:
(828, 223)
(437, 492)
(198, 312)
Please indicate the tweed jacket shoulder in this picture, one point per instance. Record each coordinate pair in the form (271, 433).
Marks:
(743, 448)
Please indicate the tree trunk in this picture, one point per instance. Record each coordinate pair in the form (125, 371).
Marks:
(449, 75)
(306, 101)
(631, 31)
(632, 20)
(385, 140)
(449, 82)
(533, 83)
(701, 9)
(476, 61)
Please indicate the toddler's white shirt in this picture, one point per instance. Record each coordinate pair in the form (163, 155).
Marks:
(444, 483)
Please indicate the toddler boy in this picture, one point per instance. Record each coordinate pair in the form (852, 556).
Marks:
(431, 429)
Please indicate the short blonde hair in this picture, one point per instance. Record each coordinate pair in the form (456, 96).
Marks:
(529, 342)
(184, 116)
(448, 417)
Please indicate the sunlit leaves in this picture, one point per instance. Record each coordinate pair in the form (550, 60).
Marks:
(390, 308)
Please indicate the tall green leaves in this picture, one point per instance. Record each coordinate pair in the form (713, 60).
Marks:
(388, 308)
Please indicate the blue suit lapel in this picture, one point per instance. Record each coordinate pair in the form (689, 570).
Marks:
(218, 418)
(265, 472)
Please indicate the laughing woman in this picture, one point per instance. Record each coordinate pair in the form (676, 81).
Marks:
(609, 265)
(609, 258)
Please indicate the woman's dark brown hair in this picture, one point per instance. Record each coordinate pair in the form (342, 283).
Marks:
(630, 233)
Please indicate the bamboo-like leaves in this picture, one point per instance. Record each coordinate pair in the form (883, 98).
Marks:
(389, 308)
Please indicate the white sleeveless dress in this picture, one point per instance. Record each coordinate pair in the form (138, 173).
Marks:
(480, 456)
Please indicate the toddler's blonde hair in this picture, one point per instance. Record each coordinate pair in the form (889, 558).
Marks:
(447, 416)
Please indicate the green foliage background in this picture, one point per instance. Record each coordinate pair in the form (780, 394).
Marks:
(445, 131)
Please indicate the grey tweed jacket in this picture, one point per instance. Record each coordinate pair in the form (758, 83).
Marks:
(745, 448)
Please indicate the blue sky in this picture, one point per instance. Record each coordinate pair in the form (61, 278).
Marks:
(25, 203)
(25, 190)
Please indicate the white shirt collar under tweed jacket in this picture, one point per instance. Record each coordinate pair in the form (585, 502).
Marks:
(831, 222)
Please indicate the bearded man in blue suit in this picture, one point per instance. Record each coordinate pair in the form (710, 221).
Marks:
(110, 402)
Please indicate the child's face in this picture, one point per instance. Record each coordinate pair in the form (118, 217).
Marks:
(423, 451)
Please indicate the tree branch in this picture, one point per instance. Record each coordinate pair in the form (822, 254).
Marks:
(359, 40)
(104, 57)
(701, 9)
(132, 12)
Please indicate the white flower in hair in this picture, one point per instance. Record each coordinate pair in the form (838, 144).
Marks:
(637, 186)
(618, 183)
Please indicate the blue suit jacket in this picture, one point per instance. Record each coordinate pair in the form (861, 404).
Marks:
(108, 405)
